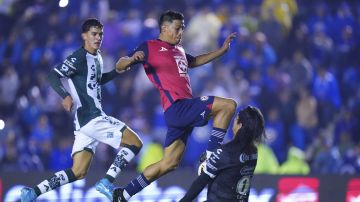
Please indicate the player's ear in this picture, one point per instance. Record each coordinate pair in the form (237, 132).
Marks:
(163, 28)
(83, 36)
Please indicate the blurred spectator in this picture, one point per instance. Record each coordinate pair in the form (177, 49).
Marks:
(295, 163)
(284, 11)
(9, 84)
(276, 135)
(40, 141)
(326, 158)
(304, 130)
(265, 55)
(196, 39)
(326, 92)
(267, 161)
(300, 71)
(59, 154)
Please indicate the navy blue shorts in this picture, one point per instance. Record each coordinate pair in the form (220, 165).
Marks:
(185, 114)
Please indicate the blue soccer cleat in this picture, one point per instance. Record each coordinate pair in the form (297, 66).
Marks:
(105, 187)
(28, 194)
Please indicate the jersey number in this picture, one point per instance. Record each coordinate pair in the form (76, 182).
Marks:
(243, 185)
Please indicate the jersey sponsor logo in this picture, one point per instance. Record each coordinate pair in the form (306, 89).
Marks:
(163, 49)
(73, 60)
(69, 64)
(247, 170)
(204, 98)
(64, 68)
(215, 156)
(244, 157)
(182, 65)
(210, 167)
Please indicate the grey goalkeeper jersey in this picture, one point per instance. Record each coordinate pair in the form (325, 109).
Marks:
(83, 72)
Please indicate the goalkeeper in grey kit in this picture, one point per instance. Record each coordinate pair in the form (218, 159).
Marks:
(229, 170)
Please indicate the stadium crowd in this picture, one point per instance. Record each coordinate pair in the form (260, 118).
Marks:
(298, 61)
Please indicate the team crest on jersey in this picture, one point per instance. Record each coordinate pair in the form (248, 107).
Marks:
(182, 65)
(204, 98)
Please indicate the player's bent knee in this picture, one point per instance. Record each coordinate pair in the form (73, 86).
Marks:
(230, 106)
(79, 174)
(131, 138)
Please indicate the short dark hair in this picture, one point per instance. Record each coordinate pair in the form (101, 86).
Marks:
(169, 16)
(91, 22)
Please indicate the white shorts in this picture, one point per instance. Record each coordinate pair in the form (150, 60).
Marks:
(105, 129)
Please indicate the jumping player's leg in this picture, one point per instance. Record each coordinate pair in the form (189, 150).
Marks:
(81, 164)
(222, 111)
(170, 161)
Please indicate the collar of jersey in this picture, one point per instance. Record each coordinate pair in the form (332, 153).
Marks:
(98, 51)
(166, 42)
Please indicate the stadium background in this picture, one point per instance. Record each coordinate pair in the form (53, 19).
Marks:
(298, 61)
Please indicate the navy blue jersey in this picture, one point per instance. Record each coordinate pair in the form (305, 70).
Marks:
(231, 169)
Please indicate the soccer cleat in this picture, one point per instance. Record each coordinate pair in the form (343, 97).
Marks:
(105, 187)
(27, 194)
(118, 195)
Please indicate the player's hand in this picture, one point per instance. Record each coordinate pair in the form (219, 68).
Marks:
(68, 103)
(201, 168)
(226, 44)
(138, 56)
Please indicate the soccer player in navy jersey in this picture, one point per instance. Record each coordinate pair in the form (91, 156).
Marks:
(230, 168)
(166, 65)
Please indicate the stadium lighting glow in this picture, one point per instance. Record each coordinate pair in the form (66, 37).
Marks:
(63, 3)
(2, 124)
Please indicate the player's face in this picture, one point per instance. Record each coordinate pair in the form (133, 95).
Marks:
(236, 126)
(92, 39)
(174, 31)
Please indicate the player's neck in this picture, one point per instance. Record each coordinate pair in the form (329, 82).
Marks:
(91, 50)
(165, 39)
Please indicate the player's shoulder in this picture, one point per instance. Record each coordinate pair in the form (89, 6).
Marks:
(74, 60)
(155, 42)
(152, 41)
(79, 54)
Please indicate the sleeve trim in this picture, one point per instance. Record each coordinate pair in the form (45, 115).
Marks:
(57, 71)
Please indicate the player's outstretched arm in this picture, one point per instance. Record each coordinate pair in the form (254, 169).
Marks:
(124, 63)
(208, 57)
(196, 187)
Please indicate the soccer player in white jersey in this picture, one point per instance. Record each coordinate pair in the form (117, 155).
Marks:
(83, 70)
